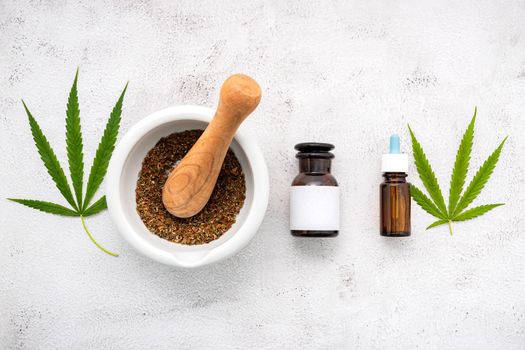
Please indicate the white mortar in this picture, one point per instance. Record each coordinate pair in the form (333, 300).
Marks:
(122, 176)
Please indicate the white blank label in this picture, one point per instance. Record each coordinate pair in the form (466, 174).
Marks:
(314, 208)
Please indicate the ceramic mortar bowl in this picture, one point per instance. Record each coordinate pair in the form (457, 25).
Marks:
(122, 178)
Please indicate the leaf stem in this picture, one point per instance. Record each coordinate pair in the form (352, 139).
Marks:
(93, 239)
(450, 227)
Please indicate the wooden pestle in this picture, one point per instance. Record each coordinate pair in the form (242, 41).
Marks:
(189, 186)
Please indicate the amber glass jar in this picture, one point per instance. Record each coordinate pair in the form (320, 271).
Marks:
(314, 198)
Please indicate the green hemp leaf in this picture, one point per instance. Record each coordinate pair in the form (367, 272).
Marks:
(79, 204)
(458, 201)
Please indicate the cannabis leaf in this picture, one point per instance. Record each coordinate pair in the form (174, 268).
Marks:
(80, 205)
(458, 201)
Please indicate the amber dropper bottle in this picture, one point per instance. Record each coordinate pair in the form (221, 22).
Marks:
(395, 192)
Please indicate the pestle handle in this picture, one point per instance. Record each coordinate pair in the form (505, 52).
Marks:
(189, 186)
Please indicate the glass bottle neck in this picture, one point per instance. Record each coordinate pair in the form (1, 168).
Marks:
(315, 165)
(395, 177)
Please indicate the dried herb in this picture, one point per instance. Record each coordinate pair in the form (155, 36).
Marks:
(80, 205)
(457, 204)
(218, 215)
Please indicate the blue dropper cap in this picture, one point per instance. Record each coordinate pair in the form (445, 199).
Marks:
(395, 144)
(394, 161)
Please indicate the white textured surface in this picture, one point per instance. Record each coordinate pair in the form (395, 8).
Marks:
(349, 73)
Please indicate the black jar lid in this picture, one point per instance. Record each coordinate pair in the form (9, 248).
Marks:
(314, 150)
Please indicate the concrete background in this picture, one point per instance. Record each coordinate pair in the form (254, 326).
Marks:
(349, 73)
